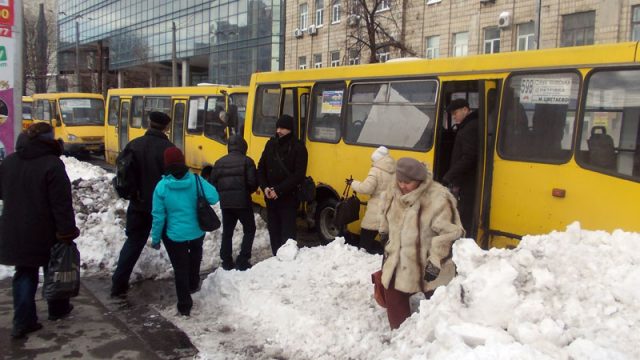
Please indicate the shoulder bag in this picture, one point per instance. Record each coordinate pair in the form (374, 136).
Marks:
(207, 218)
(306, 190)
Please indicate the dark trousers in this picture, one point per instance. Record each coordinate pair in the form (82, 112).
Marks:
(369, 243)
(137, 231)
(230, 218)
(465, 208)
(398, 307)
(281, 221)
(185, 257)
(25, 283)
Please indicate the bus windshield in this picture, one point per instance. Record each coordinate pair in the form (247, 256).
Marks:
(76, 112)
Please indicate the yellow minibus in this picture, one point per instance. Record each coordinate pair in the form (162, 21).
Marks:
(202, 116)
(558, 138)
(27, 118)
(77, 118)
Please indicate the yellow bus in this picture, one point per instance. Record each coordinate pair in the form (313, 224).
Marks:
(27, 118)
(559, 132)
(77, 119)
(202, 118)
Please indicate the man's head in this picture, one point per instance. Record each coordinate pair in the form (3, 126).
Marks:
(284, 125)
(158, 120)
(459, 109)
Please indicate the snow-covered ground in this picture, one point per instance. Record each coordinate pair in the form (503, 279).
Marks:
(564, 295)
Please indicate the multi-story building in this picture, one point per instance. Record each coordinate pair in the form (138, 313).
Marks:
(337, 32)
(139, 42)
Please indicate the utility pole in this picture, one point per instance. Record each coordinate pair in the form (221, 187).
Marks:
(174, 60)
(77, 55)
(537, 22)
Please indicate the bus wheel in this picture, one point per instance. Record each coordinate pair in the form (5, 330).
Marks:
(325, 214)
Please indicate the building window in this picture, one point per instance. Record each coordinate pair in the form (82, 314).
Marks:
(491, 40)
(433, 47)
(335, 12)
(578, 29)
(383, 54)
(304, 15)
(460, 44)
(302, 62)
(635, 23)
(526, 36)
(317, 61)
(354, 57)
(319, 12)
(335, 58)
(384, 5)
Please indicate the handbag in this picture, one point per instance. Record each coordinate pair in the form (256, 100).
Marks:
(347, 209)
(378, 288)
(207, 218)
(62, 279)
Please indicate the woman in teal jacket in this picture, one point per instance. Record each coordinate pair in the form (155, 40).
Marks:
(175, 222)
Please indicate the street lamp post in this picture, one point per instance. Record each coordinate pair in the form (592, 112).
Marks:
(174, 60)
(77, 55)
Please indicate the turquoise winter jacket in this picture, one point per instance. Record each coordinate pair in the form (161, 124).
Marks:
(174, 204)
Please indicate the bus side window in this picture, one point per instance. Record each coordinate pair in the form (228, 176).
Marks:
(548, 129)
(326, 111)
(114, 105)
(266, 111)
(137, 112)
(195, 122)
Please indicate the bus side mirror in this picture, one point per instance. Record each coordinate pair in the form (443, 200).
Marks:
(57, 122)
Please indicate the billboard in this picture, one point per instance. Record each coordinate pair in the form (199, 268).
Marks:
(8, 69)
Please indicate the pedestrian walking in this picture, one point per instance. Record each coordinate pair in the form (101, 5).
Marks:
(37, 213)
(147, 168)
(175, 223)
(234, 176)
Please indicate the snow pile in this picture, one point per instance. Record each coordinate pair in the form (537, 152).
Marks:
(573, 294)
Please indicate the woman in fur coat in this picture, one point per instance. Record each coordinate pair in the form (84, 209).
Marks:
(375, 185)
(422, 222)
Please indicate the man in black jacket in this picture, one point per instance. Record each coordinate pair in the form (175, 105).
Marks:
(37, 213)
(461, 176)
(282, 167)
(148, 166)
(234, 176)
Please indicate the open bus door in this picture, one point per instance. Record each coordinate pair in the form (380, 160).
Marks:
(177, 123)
(294, 102)
(123, 123)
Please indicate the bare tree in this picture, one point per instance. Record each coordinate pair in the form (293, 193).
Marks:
(39, 50)
(377, 25)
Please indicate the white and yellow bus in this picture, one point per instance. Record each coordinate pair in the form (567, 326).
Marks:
(202, 118)
(77, 119)
(559, 132)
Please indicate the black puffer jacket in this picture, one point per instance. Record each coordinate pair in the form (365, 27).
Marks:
(148, 157)
(464, 156)
(38, 209)
(271, 173)
(234, 176)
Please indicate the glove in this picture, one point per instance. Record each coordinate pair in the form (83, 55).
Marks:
(431, 272)
(155, 245)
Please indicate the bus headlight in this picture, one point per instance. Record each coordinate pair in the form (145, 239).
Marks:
(72, 137)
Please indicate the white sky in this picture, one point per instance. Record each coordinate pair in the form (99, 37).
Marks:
(564, 295)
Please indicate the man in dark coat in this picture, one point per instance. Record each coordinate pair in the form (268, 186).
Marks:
(37, 213)
(282, 167)
(234, 176)
(148, 166)
(461, 176)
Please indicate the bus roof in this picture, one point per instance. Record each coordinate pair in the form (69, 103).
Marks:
(177, 91)
(70, 95)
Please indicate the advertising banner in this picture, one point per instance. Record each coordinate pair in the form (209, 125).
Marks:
(8, 69)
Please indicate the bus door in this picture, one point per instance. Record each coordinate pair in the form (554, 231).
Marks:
(123, 123)
(177, 123)
(481, 96)
(294, 102)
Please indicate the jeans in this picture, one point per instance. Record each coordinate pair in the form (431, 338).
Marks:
(137, 231)
(25, 284)
(281, 221)
(230, 218)
(185, 258)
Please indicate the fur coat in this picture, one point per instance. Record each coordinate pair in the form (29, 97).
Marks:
(422, 226)
(375, 185)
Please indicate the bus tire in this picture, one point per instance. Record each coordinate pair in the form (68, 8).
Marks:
(325, 214)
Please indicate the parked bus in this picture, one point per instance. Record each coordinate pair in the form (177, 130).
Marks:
(202, 116)
(559, 134)
(27, 118)
(77, 119)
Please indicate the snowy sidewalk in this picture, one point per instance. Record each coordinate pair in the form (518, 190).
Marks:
(99, 327)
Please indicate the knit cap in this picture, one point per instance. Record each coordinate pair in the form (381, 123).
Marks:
(379, 153)
(173, 156)
(408, 169)
(285, 122)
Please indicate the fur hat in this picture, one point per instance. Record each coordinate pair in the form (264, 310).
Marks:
(40, 130)
(285, 122)
(379, 153)
(457, 104)
(159, 118)
(408, 169)
(173, 156)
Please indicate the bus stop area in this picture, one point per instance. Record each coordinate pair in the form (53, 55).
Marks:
(100, 327)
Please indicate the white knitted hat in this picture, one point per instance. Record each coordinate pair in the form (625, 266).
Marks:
(379, 153)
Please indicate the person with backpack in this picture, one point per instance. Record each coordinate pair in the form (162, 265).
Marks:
(234, 176)
(141, 173)
(175, 223)
(282, 167)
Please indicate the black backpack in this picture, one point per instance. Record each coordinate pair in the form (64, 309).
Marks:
(125, 182)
